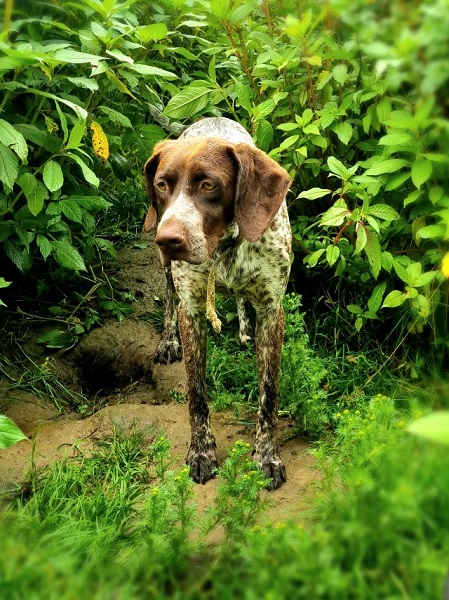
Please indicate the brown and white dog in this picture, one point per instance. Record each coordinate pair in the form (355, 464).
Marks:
(222, 207)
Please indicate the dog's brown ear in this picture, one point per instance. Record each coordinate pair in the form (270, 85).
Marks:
(149, 172)
(261, 187)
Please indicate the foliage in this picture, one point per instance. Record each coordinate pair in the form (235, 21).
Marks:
(238, 502)
(100, 524)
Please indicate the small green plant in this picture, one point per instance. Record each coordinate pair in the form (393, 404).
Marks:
(160, 452)
(303, 375)
(238, 502)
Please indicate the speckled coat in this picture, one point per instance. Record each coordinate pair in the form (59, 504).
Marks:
(250, 255)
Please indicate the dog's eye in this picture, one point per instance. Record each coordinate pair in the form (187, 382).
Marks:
(208, 186)
(161, 185)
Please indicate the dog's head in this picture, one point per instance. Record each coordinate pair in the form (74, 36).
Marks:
(201, 185)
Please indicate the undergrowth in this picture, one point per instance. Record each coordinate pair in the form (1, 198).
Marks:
(120, 522)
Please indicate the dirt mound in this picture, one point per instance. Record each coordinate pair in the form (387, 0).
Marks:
(115, 355)
(56, 438)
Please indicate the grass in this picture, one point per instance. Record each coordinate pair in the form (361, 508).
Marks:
(119, 523)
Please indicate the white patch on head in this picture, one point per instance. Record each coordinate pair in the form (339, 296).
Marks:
(184, 212)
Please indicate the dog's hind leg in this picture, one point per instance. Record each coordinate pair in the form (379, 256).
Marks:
(169, 348)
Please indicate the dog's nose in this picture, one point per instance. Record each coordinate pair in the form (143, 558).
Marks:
(169, 239)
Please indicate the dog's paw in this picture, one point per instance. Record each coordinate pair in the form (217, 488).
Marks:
(168, 351)
(271, 465)
(202, 465)
(274, 471)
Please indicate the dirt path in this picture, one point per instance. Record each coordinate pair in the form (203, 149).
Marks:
(144, 404)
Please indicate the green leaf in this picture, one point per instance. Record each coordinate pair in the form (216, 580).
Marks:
(68, 256)
(396, 181)
(74, 57)
(243, 95)
(373, 252)
(343, 131)
(396, 139)
(434, 427)
(34, 191)
(242, 11)
(190, 101)
(340, 73)
(355, 309)
(152, 71)
(44, 245)
(263, 109)
(116, 117)
(76, 135)
(312, 259)
(383, 211)
(91, 203)
(337, 167)
(413, 272)
(86, 83)
(424, 278)
(400, 119)
(431, 232)
(264, 134)
(394, 299)
(314, 193)
(387, 166)
(154, 31)
(9, 136)
(56, 339)
(10, 434)
(71, 210)
(52, 176)
(220, 8)
(335, 215)
(362, 238)
(375, 300)
(421, 171)
(332, 254)
(9, 166)
(88, 174)
(4, 283)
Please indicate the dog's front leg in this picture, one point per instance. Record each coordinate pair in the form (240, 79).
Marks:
(269, 338)
(201, 456)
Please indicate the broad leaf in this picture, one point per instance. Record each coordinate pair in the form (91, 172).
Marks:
(434, 427)
(9, 433)
(9, 166)
(373, 252)
(52, 176)
(394, 299)
(34, 191)
(188, 102)
(421, 171)
(14, 139)
(314, 193)
(68, 256)
(387, 166)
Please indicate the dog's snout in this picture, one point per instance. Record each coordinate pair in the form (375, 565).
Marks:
(170, 238)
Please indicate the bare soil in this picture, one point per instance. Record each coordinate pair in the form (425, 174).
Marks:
(113, 367)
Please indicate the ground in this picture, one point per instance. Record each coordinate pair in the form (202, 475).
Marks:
(124, 390)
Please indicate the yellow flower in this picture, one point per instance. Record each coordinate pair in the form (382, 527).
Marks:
(445, 265)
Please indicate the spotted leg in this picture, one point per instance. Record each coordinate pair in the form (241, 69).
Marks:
(269, 338)
(169, 348)
(201, 456)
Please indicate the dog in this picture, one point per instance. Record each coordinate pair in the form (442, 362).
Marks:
(224, 224)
